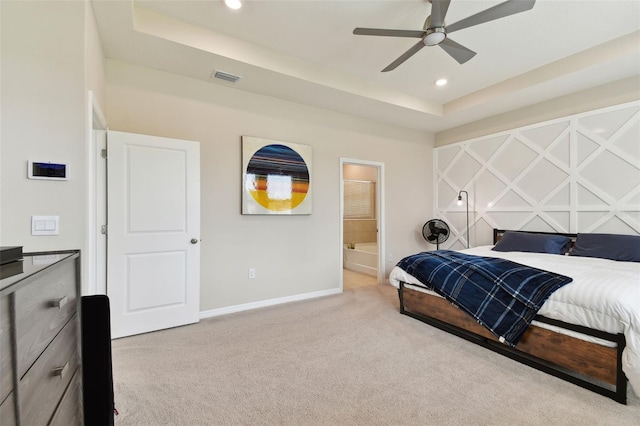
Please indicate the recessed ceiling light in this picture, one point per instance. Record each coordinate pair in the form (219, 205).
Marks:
(233, 4)
(441, 82)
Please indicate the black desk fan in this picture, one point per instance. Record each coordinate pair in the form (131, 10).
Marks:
(435, 231)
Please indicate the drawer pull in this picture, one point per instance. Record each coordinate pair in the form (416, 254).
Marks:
(60, 371)
(59, 303)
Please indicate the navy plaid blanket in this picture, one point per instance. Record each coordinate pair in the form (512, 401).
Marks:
(503, 296)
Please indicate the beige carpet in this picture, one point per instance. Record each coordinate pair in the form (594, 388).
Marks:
(348, 359)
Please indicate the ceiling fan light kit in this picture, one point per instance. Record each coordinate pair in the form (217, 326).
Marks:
(435, 32)
(434, 36)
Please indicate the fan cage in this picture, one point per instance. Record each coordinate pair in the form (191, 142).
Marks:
(436, 231)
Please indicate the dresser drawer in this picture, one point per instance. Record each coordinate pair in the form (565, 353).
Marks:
(43, 386)
(69, 412)
(42, 308)
(6, 368)
(8, 411)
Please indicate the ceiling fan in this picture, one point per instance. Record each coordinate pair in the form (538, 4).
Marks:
(435, 31)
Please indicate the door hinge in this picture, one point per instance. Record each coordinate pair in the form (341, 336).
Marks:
(103, 153)
(103, 229)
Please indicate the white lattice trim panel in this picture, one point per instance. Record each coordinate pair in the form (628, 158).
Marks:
(579, 173)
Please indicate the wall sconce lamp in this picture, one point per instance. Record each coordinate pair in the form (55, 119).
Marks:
(460, 203)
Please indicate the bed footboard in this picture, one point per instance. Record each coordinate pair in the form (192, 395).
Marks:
(586, 364)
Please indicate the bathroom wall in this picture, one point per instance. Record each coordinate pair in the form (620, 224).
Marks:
(360, 230)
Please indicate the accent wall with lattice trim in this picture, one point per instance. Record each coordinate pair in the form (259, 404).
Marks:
(579, 173)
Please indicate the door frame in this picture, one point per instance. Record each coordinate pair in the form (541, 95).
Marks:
(380, 216)
(96, 196)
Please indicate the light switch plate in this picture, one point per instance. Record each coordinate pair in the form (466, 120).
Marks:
(45, 225)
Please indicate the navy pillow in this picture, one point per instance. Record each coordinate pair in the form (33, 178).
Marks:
(533, 243)
(625, 248)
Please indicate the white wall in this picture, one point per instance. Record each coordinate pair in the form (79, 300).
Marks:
(42, 119)
(579, 173)
(94, 57)
(358, 172)
(293, 255)
(51, 56)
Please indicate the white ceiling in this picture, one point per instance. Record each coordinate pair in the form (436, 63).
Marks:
(304, 51)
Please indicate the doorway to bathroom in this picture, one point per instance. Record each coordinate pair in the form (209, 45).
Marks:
(361, 222)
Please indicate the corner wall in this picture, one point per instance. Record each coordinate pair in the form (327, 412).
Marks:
(292, 255)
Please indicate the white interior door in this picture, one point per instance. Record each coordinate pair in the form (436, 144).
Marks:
(153, 266)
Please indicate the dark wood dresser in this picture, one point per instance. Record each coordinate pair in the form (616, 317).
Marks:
(40, 352)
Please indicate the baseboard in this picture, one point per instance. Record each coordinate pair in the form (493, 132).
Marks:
(265, 303)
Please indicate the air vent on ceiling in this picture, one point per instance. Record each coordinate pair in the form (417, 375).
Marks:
(226, 76)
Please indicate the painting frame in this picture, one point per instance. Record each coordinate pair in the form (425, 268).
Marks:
(276, 177)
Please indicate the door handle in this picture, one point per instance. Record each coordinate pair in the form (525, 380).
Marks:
(194, 241)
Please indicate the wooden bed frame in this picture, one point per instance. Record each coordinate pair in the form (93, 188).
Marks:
(586, 364)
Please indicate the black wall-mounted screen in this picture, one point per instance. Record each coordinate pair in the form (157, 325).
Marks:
(44, 170)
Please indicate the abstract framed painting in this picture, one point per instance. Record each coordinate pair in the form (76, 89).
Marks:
(276, 177)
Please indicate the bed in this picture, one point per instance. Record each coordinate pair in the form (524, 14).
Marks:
(586, 332)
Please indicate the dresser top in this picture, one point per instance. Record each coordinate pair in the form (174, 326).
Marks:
(32, 263)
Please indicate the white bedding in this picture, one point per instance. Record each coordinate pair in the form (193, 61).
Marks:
(604, 295)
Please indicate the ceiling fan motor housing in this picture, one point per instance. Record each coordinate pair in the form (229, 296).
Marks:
(434, 35)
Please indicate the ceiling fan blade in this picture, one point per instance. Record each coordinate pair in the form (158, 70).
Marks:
(501, 10)
(406, 55)
(389, 33)
(438, 11)
(457, 51)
